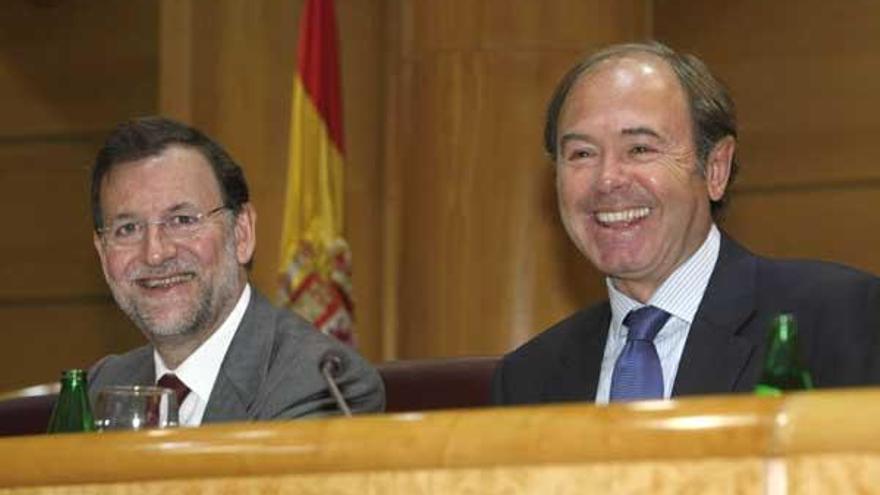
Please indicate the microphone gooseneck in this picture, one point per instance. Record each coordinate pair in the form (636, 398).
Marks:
(332, 365)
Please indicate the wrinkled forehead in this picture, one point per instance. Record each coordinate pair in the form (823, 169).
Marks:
(631, 91)
(177, 175)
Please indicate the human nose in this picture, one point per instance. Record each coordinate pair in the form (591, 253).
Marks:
(157, 246)
(612, 174)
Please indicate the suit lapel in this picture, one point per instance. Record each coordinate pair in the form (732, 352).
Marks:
(144, 372)
(139, 370)
(580, 360)
(245, 365)
(716, 354)
(134, 368)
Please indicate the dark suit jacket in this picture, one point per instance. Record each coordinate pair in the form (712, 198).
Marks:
(270, 371)
(837, 310)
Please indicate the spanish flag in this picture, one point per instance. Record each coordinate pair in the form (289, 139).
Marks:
(315, 259)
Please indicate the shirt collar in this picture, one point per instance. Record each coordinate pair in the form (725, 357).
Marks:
(199, 370)
(680, 294)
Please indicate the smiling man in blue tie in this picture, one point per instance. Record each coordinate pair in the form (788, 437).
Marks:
(644, 144)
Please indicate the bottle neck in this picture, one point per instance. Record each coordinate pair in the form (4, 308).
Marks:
(783, 342)
(73, 379)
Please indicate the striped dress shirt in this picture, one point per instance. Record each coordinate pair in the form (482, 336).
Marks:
(680, 296)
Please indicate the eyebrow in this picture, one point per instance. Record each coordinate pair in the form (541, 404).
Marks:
(627, 131)
(574, 136)
(186, 205)
(641, 131)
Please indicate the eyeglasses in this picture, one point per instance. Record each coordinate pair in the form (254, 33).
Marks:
(176, 226)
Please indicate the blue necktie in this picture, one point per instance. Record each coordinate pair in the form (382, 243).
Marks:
(637, 372)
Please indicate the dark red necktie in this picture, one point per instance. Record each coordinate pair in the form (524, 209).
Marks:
(180, 389)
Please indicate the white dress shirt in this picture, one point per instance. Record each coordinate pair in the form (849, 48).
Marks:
(199, 371)
(679, 295)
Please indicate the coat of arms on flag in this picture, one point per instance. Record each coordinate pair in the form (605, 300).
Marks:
(317, 285)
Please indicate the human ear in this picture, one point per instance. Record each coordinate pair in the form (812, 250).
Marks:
(245, 233)
(718, 165)
(101, 248)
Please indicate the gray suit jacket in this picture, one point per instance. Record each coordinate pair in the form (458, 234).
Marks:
(270, 371)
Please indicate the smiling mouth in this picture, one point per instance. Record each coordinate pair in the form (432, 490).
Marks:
(165, 282)
(621, 217)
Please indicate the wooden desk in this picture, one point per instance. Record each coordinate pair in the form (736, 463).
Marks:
(821, 442)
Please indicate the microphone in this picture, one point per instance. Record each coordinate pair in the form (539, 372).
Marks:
(331, 365)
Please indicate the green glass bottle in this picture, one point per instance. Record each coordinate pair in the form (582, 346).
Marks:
(782, 365)
(72, 412)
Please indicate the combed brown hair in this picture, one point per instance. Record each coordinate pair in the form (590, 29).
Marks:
(149, 136)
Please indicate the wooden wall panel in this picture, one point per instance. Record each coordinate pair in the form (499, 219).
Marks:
(483, 260)
(51, 255)
(68, 72)
(834, 224)
(75, 66)
(360, 24)
(804, 75)
(805, 85)
(41, 338)
(515, 25)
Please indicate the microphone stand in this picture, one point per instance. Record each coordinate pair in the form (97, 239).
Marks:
(331, 365)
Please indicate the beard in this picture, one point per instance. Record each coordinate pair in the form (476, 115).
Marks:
(213, 298)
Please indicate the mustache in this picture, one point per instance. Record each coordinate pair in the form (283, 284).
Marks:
(170, 267)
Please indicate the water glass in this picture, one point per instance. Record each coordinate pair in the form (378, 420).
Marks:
(135, 408)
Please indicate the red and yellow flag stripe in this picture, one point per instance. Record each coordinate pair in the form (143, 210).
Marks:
(315, 260)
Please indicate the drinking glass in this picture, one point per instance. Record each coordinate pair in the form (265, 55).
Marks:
(135, 408)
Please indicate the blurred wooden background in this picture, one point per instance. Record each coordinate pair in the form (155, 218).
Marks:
(450, 204)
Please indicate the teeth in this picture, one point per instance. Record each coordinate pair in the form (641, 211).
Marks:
(161, 283)
(622, 216)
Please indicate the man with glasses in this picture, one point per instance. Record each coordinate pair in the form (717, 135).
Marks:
(175, 233)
